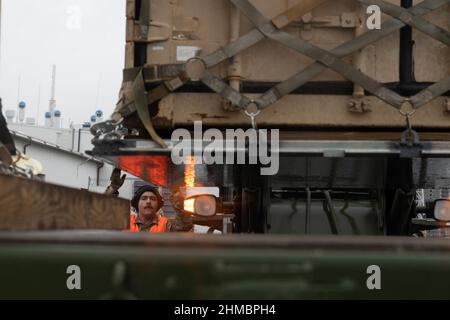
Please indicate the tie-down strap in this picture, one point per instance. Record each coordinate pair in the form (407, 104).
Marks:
(324, 59)
(334, 61)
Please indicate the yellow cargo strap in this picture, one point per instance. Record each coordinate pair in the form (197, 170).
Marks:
(140, 101)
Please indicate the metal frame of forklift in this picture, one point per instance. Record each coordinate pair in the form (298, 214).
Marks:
(252, 193)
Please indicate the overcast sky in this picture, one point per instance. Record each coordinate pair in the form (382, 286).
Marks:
(85, 39)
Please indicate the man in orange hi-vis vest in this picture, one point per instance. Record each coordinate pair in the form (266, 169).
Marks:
(147, 203)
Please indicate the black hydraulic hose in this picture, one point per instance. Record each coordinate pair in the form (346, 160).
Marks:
(308, 211)
(331, 214)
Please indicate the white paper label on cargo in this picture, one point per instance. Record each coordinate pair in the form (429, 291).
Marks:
(184, 53)
(157, 48)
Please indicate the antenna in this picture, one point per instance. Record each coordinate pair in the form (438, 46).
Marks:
(18, 96)
(52, 101)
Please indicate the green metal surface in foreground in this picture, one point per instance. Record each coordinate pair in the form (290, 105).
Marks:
(126, 266)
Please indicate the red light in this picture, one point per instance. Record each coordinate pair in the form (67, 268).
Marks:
(152, 169)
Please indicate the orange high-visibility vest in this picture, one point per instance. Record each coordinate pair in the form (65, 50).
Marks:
(160, 227)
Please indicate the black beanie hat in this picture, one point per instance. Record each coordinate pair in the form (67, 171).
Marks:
(139, 192)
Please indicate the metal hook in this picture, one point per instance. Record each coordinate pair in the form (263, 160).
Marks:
(253, 115)
(409, 140)
(408, 116)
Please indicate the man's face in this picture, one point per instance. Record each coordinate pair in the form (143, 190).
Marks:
(148, 205)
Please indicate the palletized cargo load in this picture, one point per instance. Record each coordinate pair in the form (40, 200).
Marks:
(342, 96)
(302, 64)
